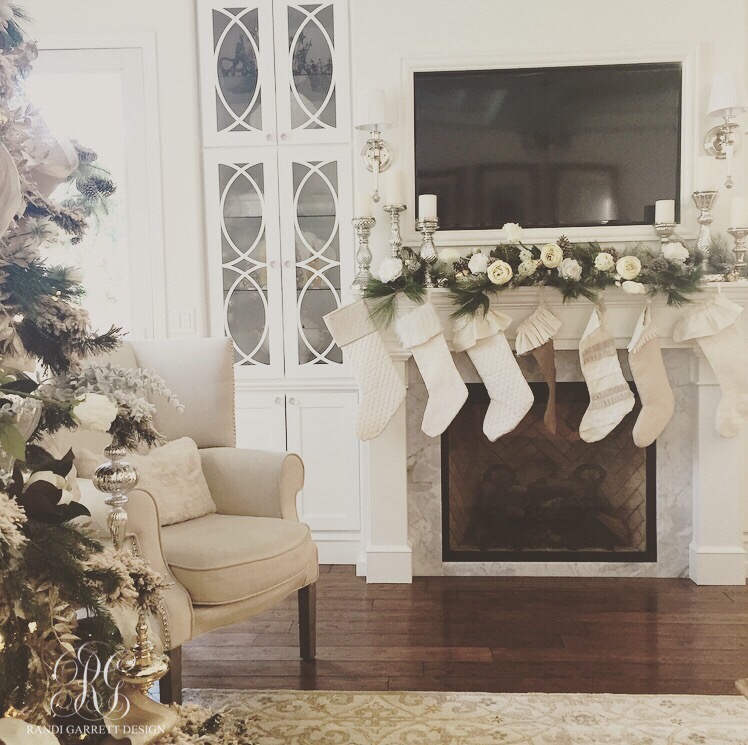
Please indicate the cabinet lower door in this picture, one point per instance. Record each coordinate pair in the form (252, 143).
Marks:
(260, 421)
(321, 430)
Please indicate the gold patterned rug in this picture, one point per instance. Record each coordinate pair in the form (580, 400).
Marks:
(409, 718)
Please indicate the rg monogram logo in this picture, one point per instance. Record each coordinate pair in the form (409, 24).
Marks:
(88, 687)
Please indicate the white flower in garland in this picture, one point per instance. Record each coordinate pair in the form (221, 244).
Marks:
(551, 255)
(675, 251)
(525, 254)
(527, 268)
(514, 232)
(629, 267)
(633, 288)
(390, 270)
(499, 273)
(570, 269)
(604, 262)
(95, 412)
(12, 517)
(449, 255)
(478, 263)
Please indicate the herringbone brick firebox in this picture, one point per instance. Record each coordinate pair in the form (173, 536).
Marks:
(532, 495)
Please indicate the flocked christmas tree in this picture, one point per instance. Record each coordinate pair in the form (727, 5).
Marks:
(57, 582)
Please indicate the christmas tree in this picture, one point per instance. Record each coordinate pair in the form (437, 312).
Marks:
(57, 581)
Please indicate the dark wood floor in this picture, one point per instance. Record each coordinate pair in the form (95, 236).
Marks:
(490, 634)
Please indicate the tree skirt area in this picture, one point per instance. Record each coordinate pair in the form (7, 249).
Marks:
(411, 718)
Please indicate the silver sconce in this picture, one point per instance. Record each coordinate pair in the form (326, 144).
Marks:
(372, 117)
(725, 102)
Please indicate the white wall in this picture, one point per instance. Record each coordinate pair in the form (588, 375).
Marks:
(386, 31)
(173, 22)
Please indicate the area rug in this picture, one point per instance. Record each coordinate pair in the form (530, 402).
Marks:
(408, 718)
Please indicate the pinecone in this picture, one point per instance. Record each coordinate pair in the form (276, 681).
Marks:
(85, 154)
(659, 264)
(95, 186)
(612, 252)
(566, 246)
(461, 268)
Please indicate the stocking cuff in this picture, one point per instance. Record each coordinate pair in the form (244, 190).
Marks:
(417, 326)
(644, 332)
(349, 323)
(536, 330)
(708, 320)
(469, 330)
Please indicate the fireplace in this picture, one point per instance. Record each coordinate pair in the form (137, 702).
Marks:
(536, 496)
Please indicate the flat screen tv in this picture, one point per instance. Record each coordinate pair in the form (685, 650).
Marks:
(548, 147)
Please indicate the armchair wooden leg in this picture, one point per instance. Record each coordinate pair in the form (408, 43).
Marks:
(170, 686)
(308, 622)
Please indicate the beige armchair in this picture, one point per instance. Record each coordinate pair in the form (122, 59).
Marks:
(253, 552)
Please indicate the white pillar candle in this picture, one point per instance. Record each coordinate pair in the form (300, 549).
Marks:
(393, 186)
(427, 207)
(705, 178)
(363, 205)
(739, 212)
(665, 211)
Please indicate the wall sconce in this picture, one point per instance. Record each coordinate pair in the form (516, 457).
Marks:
(725, 102)
(372, 117)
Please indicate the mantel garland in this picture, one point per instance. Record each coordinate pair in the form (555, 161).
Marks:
(576, 270)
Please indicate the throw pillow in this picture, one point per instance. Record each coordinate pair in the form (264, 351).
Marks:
(172, 474)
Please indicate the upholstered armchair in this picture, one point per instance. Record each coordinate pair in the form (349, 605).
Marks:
(252, 552)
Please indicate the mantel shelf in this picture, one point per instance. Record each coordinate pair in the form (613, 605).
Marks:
(623, 312)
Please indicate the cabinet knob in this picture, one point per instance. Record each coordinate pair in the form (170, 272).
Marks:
(287, 264)
(278, 400)
(292, 401)
(284, 136)
(273, 264)
(269, 137)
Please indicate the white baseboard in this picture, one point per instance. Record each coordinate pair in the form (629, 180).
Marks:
(336, 549)
(717, 565)
(389, 564)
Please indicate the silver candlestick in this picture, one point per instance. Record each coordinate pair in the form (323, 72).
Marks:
(396, 240)
(740, 250)
(665, 230)
(427, 227)
(705, 200)
(363, 226)
(116, 478)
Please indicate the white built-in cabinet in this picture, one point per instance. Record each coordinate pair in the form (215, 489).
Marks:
(278, 191)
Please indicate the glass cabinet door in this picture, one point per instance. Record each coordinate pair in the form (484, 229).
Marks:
(317, 250)
(237, 72)
(312, 86)
(242, 224)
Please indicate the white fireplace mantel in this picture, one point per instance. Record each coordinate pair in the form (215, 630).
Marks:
(720, 494)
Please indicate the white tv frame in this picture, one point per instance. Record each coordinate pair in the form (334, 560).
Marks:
(688, 56)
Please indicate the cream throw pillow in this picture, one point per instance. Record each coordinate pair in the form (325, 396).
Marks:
(172, 474)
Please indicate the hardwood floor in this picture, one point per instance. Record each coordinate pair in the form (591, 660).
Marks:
(490, 634)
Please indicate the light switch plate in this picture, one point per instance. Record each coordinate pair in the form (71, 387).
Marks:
(182, 322)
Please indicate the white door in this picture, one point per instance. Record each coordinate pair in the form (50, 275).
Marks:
(237, 79)
(241, 188)
(320, 428)
(317, 254)
(260, 421)
(311, 69)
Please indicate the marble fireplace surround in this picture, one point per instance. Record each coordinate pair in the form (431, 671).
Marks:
(701, 484)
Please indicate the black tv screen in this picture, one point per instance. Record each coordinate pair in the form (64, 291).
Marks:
(550, 147)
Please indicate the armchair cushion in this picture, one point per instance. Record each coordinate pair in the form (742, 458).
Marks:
(227, 558)
(172, 473)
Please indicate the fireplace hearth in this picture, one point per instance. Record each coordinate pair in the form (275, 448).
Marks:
(536, 496)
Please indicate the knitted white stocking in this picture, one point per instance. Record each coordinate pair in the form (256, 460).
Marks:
(381, 389)
(610, 396)
(648, 369)
(713, 328)
(482, 337)
(420, 330)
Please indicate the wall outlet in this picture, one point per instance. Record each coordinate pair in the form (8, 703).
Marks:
(182, 322)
